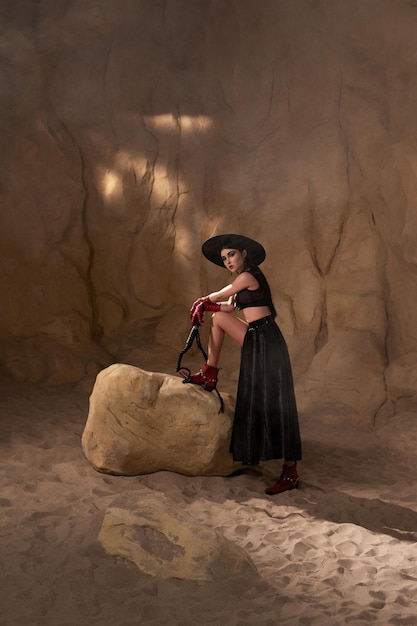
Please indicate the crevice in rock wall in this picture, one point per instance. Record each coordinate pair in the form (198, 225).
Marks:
(322, 334)
(309, 231)
(177, 118)
(95, 327)
(348, 158)
(385, 293)
(149, 176)
(321, 338)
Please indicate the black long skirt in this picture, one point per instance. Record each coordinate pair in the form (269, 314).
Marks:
(266, 420)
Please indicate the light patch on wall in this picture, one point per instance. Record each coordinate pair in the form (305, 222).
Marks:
(111, 184)
(111, 187)
(129, 167)
(167, 121)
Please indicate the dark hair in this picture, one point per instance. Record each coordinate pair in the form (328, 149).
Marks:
(230, 244)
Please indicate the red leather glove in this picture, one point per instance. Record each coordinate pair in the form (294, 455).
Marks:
(197, 315)
(195, 305)
(198, 308)
(211, 306)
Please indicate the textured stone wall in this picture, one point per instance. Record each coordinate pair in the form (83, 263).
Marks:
(131, 131)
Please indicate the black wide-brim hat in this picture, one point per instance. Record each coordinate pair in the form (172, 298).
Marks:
(212, 248)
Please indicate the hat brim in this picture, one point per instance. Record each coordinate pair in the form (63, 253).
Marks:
(212, 248)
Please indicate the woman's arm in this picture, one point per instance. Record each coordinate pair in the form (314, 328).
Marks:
(228, 306)
(245, 280)
(215, 301)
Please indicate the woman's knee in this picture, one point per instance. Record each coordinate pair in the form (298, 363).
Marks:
(220, 318)
(230, 324)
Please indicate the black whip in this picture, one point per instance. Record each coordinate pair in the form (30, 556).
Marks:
(195, 335)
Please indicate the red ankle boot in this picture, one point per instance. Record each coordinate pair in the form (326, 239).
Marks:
(206, 377)
(288, 480)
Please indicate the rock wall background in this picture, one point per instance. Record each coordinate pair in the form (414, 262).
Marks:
(132, 131)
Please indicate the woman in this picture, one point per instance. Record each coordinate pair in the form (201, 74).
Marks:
(265, 423)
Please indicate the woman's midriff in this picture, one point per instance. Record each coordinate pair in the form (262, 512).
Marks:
(253, 313)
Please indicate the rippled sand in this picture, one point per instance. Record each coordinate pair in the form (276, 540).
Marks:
(340, 550)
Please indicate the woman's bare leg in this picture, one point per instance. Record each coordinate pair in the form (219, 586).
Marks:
(221, 324)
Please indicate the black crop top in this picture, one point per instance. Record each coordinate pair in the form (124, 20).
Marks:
(251, 297)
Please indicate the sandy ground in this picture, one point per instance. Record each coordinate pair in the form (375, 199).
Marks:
(340, 550)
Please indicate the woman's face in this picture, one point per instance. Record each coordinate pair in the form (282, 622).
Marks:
(233, 259)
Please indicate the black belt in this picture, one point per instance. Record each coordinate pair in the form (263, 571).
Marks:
(261, 322)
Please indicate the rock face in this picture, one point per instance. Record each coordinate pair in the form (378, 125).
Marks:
(162, 540)
(133, 131)
(141, 422)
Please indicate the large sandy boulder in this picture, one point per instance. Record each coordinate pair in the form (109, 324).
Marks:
(164, 541)
(141, 422)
